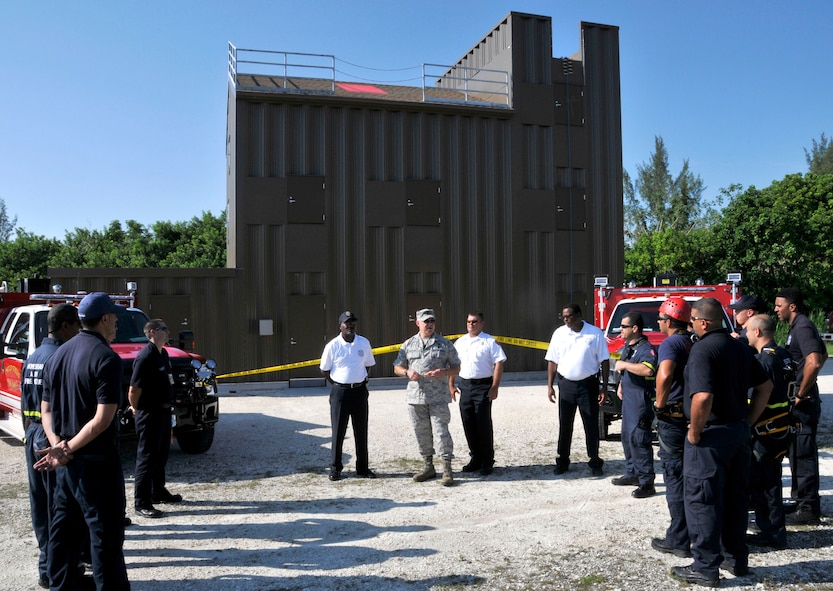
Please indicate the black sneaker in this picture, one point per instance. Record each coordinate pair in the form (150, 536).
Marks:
(166, 497)
(471, 466)
(625, 481)
(687, 574)
(802, 516)
(766, 540)
(730, 566)
(644, 491)
(660, 545)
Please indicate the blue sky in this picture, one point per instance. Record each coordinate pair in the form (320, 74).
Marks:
(116, 110)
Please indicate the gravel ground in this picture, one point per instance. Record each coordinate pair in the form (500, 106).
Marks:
(260, 513)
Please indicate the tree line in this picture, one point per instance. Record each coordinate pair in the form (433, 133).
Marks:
(197, 243)
(779, 236)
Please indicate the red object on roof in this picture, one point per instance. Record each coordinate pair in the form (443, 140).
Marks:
(368, 88)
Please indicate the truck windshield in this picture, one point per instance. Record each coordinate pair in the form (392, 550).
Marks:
(649, 311)
(650, 314)
(130, 327)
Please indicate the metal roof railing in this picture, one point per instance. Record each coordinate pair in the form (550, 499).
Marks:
(280, 67)
(281, 71)
(478, 85)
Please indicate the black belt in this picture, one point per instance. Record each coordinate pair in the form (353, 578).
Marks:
(576, 381)
(351, 386)
(477, 381)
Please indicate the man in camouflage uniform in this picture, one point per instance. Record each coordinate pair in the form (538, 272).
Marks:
(427, 360)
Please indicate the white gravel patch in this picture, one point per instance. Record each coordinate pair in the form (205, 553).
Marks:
(260, 513)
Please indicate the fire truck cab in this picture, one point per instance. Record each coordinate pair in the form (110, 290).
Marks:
(612, 303)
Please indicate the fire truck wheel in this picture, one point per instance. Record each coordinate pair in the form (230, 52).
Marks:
(195, 442)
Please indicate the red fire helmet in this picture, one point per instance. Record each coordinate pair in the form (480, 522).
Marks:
(676, 308)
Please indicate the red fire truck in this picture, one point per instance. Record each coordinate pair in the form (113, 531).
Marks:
(195, 410)
(612, 303)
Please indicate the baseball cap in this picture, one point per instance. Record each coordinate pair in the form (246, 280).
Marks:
(748, 302)
(97, 304)
(425, 314)
(345, 316)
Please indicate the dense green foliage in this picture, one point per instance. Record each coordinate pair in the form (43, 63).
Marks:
(198, 243)
(780, 236)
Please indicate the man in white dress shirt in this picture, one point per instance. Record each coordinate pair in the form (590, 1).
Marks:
(344, 362)
(481, 367)
(576, 355)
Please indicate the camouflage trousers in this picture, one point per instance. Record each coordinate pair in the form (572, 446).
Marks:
(430, 420)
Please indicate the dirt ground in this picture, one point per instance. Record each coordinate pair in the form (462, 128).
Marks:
(260, 513)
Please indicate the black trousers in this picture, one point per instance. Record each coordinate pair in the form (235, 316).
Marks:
(41, 485)
(347, 403)
(583, 396)
(804, 455)
(476, 414)
(92, 486)
(153, 429)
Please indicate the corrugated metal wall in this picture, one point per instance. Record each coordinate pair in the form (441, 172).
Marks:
(384, 207)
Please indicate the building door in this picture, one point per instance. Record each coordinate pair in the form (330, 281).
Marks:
(307, 333)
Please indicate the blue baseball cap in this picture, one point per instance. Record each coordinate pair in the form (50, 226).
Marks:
(97, 304)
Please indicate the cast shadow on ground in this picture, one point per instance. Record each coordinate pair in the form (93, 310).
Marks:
(247, 446)
(306, 582)
(302, 544)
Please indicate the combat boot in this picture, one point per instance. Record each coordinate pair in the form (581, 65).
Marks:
(448, 479)
(428, 471)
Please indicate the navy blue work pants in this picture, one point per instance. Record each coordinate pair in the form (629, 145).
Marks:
(716, 472)
(40, 491)
(153, 429)
(476, 415)
(765, 488)
(349, 403)
(671, 444)
(636, 435)
(583, 396)
(92, 485)
(804, 455)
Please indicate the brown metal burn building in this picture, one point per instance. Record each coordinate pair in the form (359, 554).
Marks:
(495, 185)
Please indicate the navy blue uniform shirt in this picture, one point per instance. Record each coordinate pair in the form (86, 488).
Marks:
(31, 387)
(726, 368)
(82, 374)
(152, 373)
(803, 340)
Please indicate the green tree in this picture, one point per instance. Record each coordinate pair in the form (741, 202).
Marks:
(7, 226)
(26, 256)
(820, 158)
(781, 236)
(200, 242)
(657, 201)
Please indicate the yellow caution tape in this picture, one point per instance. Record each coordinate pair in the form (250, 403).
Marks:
(376, 351)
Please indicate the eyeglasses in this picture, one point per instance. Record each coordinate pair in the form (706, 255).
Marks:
(429, 321)
(663, 318)
(695, 319)
(472, 322)
(626, 326)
